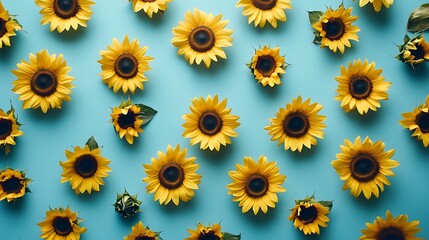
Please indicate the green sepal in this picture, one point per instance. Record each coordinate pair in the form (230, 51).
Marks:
(79, 221)
(406, 38)
(92, 144)
(6, 149)
(328, 204)
(314, 16)
(125, 103)
(229, 236)
(317, 38)
(419, 19)
(146, 113)
(127, 205)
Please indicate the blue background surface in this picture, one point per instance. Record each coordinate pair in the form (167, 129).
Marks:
(171, 86)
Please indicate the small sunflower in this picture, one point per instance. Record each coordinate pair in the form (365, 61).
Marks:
(124, 65)
(418, 120)
(8, 26)
(334, 28)
(43, 81)
(297, 125)
(141, 232)
(63, 14)
(361, 87)
(150, 6)
(85, 168)
(13, 184)
(377, 4)
(61, 224)
(261, 11)
(391, 228)
(414, 50)
(172, 176)
(267, 66)
(203, 232)
(9, 129)
(210, 123)
(364, 166)
(255, 185)
(201, 37)
(308, 215)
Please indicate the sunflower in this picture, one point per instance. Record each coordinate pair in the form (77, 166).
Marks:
(361, 86)
(43, 81)
(210, 123)
(85, 168)
(124, 65)
(364, 166)
(418, 120)
(201, 37)
(141, 232)
(9, 129)
(334, 29)
(261, 11)
(414, 50)
(172, 176)
(13, 184)
(297, 125)
(255, 185)
(391, 228)
(61, 224)
(202, 232)
(63, 14)
(150, 6)
(267, 66)
(8, 26)
(376, 3)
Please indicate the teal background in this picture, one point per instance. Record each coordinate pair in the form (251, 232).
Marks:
(171, 86)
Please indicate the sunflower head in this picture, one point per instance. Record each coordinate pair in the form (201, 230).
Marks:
(8, 26)
(262, 11)
(414, 50)
(364, 166)
(205, 232)
(150, 6)
(201, 37)
(85, 168)
(361, 86)
(267, 66)
(13, 184)
(61, 224)
(418, 120)
(9, 129)
(377, 4)
(141, 232)
(127, 205)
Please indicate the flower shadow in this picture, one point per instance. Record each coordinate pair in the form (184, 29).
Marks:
(217, 157)
(155, 22)
(52, 115)
(369, 118)
(382, 18)
(419, 72)
(306, 153)
(71, 35)
(374, 203)
(183, 207)
(263, 219)
(14, 207)
(6, 53)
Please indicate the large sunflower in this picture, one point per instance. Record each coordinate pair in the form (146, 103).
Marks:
(418, 120)
(201, 37)
(414, 50)
(267, 66)
(9, 129)
(150, 6)
(124, 65)
(8, 26)
(85, 168)
(297, 125)
(210, 123)
(334, 29)
(377, 4)
(261, 11)
(63, 14)
(13, 184)
(141, 232)
(364, 166)
(61, 224)
(361, 87)
(202, 232)
(255, 185)
(43, 81)
(391, 228)
(172, 176)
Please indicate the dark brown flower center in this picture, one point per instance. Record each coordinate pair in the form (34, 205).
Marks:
(144, 237)
(422, 121)
(334, 28)
(264, 4)
(126, 66)
(210, 123)
(360, 87)
(171, 176)
(86, 165)
(66, 8)
(307, 214)
(419, 53)
(148, 0)
(296, 125)
(201, 39)
(210, 235)
(5, 128)
(256, 185)
(62, 226)
(364, 167)
(390, 233)
(266, 65)
(3, 29)
(127, 120)
(12, 185)
(44, 83)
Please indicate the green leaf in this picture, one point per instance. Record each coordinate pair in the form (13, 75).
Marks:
(92, 144)
(419, 19)
(314, 16)
(229, 236)
(328, 204)
(146, 113)
(317, 38)
(406, 38)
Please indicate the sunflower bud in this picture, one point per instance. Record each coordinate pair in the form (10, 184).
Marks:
(127, 205)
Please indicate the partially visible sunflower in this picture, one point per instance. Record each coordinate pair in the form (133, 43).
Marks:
(377, 4)
(201, 37)
(8, 26)
(61, 224)
(267, 66)
(203, 232)
(297, 125)
(13, 184)
(334, 28)
(418, 120)
(361, 87)
(124, 65)
(256, 184)
(150, 6)
(43, 81)
(364, 166)
(85, 168)
(414, 50)
(391, 228)
(63, 14)
(141, 232)
(210, 123)
(172, 176)
(261, 11)
(9, 129)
